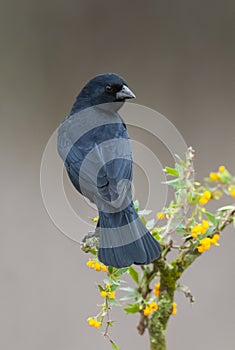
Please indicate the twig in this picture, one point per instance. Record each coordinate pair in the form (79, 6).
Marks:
(186, 292)
(142, 324)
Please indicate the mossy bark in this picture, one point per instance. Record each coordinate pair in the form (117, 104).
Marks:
(157, 335)
(170, 272)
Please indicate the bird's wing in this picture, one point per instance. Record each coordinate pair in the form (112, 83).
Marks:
(106, 171)
(97, 156)
(114, 180)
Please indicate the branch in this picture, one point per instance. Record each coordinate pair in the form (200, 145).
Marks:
(189, 255)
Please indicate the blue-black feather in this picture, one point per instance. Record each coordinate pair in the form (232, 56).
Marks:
(124, 239)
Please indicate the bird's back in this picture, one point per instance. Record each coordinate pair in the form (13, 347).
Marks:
(90, 142)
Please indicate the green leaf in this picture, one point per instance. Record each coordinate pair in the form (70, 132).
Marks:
(144, 212)
(134, 294)
(93, 251)
(176, 183)
(113, 302)
(171, 171)
(116, 281)
(128, 297)
(149, 224)
(106, 280)
(144, 221)
(155, 234)
(120, 272)
(114, 345)
(110, 270)
(180, 169)
(136, 205)
(180, 161)
(227, 207)
(211, 218)
(101, 289)
(181, 231)
(113, 287)
(134, 274)
(147, 269)
(128, 289)
(132, 308)
(225, 176)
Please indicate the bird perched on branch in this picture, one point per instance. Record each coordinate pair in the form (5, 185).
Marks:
(95, 147)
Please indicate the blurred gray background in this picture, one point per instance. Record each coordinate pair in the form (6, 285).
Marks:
(179, 58)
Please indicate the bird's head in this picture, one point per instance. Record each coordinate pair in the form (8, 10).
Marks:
(104, 88)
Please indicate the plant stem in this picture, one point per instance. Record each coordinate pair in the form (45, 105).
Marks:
(170, 272)
(158, 322)
(157, 336)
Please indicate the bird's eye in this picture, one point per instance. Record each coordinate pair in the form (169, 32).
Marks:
(108, 88)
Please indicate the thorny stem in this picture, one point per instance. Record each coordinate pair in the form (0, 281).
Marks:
(106, 334)
(108, 319)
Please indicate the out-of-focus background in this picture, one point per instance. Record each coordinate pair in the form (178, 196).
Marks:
(179, 58)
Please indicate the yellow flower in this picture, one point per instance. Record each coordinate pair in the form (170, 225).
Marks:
(112, 295)
(90, 263)
(232, 192)
(203, 200)
(147, 311)
(216, 236)
(214, 176)
(160, 215)
(103, 294)
(97, 324)
(194, 234)
(214, 239)
(205, 242)
(202, 228)
(207, 195)
(156, 291)
(197, 229)
(91, 321)
(104, 268)
(153, 306)
(174, 309)
(200, 249)
(222, 168)
(205, 224)
(97, 266)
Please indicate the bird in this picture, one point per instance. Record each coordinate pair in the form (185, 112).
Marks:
(95, 147)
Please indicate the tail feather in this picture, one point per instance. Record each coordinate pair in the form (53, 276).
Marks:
(130, 243)
(140, 252)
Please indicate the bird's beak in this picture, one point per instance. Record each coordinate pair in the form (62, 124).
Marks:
(125, 92)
